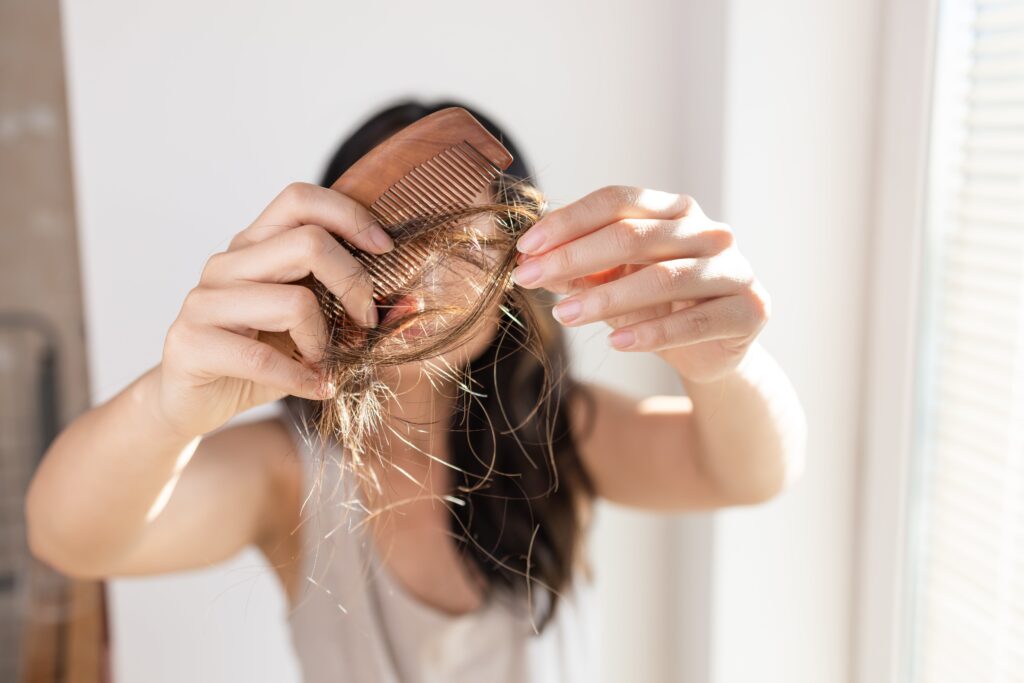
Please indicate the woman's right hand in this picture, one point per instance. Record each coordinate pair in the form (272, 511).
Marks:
(213, 365)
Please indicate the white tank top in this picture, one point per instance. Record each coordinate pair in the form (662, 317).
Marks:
(354, 622)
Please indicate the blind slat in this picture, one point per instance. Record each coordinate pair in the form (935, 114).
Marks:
(967, 596)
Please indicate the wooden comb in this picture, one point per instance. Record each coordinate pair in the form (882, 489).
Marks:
(439, 163)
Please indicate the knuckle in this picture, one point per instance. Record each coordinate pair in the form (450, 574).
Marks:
(602, 301)
(622, 195)
(687, 205)
(258, 357)
(211, 267)
(626, 237)
(179, 337)
(720, 236)
(195, 299)
(301, 302)
(312, 241)
(296, 192)
(565, 259)
(670, 276)
(696, 322)
(740, 269)
(759, 303)
(657, 335)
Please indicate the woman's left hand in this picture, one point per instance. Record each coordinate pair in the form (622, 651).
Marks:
(650, 264)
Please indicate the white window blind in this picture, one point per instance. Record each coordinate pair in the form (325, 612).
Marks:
(966, 587)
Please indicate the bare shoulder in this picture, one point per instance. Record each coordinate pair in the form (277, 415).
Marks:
(270, 442)
(265, 439)
(264, 448)
(260, 456)
(239, 488)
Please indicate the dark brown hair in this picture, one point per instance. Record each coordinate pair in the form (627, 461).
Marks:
(522, 489)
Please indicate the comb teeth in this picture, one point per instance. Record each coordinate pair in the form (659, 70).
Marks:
(450, 180)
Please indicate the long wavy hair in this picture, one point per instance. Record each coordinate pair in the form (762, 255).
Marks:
(521, 490)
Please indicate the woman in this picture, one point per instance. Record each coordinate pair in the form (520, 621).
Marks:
(129, 488)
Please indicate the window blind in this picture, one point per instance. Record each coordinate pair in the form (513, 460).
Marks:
(966, 590)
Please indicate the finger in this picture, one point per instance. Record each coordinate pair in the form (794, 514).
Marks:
(305, 203)
(259, 306)
(597, 210)
(660, 283)
(292, 255)
(723, 318)
(234, 355)
(627, 241)
(566, 287)
(570, 287)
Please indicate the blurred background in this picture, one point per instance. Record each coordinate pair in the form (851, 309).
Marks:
(869, 155)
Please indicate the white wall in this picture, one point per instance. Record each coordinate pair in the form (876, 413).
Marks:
(799, 135)
(188, 117)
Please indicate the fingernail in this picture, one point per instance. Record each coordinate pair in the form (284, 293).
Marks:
(526, 273)
(371, 314)
(622, 339)
(381, 239)
(531, 241)
(567, 311)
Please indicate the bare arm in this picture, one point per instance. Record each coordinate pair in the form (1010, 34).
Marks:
(122, 493)
(737, 440)
(671, 281)
(129, 487)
